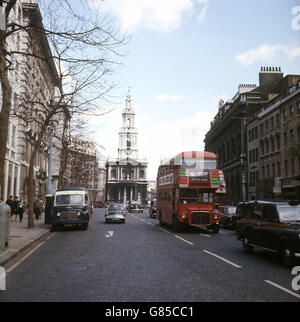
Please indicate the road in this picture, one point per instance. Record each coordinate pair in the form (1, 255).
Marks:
(140, 261)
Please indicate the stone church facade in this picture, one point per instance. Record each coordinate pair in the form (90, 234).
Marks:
(127, 174)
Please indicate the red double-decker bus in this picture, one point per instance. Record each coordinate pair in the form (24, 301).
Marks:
(186, 191)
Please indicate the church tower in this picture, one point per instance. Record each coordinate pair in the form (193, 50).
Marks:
(128, 133)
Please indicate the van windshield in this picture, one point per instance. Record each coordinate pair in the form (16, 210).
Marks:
(69, 200)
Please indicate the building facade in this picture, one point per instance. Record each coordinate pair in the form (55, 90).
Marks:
(256, 137)
(228, 136)
(127, 174)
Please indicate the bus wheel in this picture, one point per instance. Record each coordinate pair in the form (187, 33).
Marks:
(215, 229)
(177, 226)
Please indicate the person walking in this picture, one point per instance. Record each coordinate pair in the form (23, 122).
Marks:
(36, 209)
(16, 207)
(11, 204)
(22, 207)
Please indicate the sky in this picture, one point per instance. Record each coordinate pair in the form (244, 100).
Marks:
(186, 55)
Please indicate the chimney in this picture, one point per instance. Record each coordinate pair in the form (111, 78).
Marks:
(269, 81)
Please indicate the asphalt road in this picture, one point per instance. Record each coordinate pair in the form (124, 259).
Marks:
(140, 261)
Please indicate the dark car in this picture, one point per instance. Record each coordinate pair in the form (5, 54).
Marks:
(115, 212)
(135, 207)
(228, 216)
(273, 226)
(152, 209)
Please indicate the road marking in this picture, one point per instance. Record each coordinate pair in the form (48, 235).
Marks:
(150, 223)
(109, 234)
(204, 235)
(142, 219)
(4, 253)
(222, 258)
(25, 257)
(283, 289)
(49, 237)
(165, 231)
(186, 241)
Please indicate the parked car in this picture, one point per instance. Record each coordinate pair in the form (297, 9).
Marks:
(115, 212)
(98, 204)
(228, 216)
(72, 206)
(273, 226)
(152, 209)
(135, 207)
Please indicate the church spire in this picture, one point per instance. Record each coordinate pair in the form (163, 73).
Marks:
(128, 100)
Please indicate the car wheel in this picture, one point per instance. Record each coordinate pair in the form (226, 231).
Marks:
(248, 248)
(287, 255)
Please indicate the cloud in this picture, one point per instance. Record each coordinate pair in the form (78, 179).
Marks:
(267, 53)
(160, 15)
(166, 97)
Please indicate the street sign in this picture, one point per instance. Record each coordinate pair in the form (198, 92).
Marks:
(2, 16)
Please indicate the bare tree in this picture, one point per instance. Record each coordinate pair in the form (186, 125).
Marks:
(80, 49)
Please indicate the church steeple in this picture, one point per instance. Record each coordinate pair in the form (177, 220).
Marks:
(128, 134)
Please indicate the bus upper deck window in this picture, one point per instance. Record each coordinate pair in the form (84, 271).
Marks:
(189, 163)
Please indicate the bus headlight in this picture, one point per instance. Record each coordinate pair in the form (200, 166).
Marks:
(58, 214)
(183, 216)
(78, 213)
(216, 217)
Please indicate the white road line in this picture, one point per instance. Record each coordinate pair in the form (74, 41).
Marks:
(204, 235)
(186, 241)
(283, 289)
(149, 223)
(142, 219)
(222, 258)
(165, 231)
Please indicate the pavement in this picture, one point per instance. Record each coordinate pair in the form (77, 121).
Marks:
(21, 238)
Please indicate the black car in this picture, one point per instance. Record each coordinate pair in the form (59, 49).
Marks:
(273, 226)
(115, 212)
(228, 216)
(152, 209)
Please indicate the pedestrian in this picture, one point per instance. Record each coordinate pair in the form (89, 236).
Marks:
(10, 202)
(1, 200)
(36, 209)
(16, 207)
(22, 207)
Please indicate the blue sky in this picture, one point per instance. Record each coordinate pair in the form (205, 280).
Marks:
(184, 55)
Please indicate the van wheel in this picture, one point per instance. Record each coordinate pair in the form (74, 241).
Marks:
(287, 255)
(248, 248)
(85, 226)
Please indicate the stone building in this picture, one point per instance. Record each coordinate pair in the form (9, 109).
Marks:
(34, 81)
(228, 135)
(127, 174)
(279, 141)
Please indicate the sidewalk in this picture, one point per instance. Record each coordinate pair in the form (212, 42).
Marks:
(21, 238)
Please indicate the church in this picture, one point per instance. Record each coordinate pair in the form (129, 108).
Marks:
(127, 175)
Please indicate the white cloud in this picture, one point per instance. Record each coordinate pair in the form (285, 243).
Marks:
(166, 97)
(161, 15)
(267, 53)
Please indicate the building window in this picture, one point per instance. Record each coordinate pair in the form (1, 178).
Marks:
(272, 122)
(292, 167)
(298, 107)
(286, 170)
(277, 119)
(291, 111)
(278, 169)
(285, 114)
(285, 140)
(291, 136)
